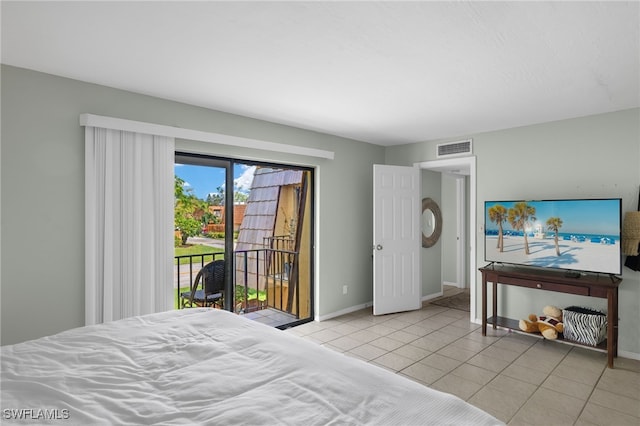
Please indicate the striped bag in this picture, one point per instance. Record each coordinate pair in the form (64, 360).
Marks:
(584, 325)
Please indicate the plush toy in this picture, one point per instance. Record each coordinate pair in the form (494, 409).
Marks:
(549, 325)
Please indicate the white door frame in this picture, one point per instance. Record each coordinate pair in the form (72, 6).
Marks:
(463, 166)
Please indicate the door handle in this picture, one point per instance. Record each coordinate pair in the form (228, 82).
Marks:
(379, 247)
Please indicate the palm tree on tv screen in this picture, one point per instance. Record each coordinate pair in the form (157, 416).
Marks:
(498, 214)
(554, 224)
(520, 217)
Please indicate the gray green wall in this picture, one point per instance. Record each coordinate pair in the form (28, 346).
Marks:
(42, 190)
(42, 186)
(590, 157)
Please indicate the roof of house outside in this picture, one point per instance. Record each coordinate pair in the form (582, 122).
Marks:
(262, 206)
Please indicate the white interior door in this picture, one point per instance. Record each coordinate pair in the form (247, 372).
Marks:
(396, 239)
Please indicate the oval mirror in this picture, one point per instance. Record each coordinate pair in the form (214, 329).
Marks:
(431, 222)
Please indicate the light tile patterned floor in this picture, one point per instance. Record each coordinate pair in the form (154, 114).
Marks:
(520, 379)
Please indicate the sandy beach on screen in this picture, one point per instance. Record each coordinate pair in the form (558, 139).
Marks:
(581, 256)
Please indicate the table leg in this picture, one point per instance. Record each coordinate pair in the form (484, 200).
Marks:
(495, 304)
(484, 306)
(612, 325)
(615, 321)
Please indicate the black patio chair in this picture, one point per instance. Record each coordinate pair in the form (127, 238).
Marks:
(211, 276)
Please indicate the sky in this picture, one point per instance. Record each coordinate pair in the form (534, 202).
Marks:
(205, 180)
(578, 216)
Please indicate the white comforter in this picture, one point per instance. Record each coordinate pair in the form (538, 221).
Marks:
(199, 366)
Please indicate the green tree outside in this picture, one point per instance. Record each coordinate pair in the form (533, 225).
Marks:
(188, 211)
(218, 198)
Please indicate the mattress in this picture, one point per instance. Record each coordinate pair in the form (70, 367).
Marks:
(208, 366)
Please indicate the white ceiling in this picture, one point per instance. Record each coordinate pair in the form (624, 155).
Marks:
(382, 72)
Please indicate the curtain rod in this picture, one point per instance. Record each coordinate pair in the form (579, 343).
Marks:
(198, 135)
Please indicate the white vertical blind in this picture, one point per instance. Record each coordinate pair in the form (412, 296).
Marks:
(128, 224)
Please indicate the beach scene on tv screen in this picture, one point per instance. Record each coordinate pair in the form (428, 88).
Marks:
(582, 235)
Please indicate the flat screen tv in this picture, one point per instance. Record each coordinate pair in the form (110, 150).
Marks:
(578, 235)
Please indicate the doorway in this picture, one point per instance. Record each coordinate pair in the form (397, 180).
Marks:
(454, 259)
(257, 218)
(461, 172)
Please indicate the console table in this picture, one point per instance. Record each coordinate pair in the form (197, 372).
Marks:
(602, 286)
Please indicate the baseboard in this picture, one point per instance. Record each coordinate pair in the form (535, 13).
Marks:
(364, 306)
(343, 311)
(627, 354)
(432, 296)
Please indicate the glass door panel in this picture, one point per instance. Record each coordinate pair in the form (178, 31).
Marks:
(263, 219)
(199, 218)
(273, 251)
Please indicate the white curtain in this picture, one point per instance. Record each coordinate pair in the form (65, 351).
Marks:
(128, 224)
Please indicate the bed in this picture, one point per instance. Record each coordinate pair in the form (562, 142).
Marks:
(208, 366)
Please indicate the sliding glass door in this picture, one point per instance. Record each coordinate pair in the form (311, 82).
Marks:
(257, 217)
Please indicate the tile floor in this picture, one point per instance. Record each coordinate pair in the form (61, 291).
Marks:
(520, 379)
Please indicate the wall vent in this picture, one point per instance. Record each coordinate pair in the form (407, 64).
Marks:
(454, 148)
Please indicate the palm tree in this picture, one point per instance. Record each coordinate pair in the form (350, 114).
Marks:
(553, 224)
(520, 216)
(498, 214)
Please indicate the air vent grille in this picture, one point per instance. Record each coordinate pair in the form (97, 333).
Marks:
(454, 148)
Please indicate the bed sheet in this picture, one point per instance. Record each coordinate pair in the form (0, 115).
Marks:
(208, 366)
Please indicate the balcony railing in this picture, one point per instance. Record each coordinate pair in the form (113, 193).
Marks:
(188, 266)
(264, 278)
